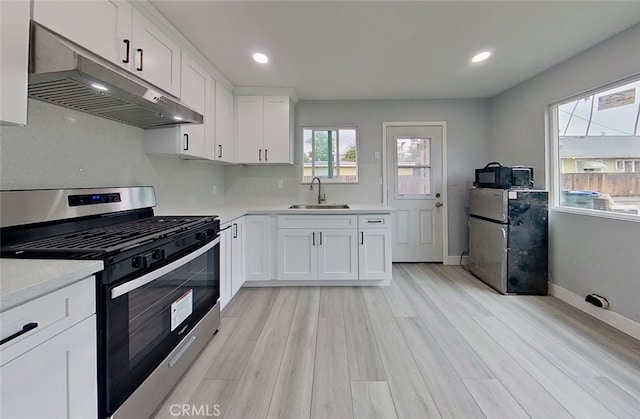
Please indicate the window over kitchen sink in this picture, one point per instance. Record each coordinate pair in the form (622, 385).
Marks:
(330, 153)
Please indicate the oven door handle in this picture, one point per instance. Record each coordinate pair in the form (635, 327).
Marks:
(127, 287)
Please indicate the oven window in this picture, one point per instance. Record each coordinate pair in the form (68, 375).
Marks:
(146, 324)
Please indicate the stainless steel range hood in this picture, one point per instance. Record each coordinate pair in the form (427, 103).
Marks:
(64, 74)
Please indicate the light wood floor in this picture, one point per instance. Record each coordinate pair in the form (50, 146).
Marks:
(436, 343)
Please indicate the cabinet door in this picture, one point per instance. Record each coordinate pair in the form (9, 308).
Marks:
(258, 247)
(194, 83)
(14, 47)
(297, 254)
(374, 254)
(56, 379)
(156, 56)
(225, 149)
(237, 255)
(277, 136)
(249, 122)
(337, 254)
(225, 266)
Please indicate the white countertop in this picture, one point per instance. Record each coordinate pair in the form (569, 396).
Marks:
(231, 212)
(22, 280)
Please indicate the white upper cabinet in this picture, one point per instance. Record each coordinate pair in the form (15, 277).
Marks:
(188, 141)
(99, 26)
(14, 47)
(278, 130)
(115, 31)
(225, 148)
(156, 56)
(264, 129)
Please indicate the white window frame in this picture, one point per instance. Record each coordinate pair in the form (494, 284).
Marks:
(418, 166)
(329, 128)
(554, 158)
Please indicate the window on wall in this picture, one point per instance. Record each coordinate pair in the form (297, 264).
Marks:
(330, 154)
(596, 145)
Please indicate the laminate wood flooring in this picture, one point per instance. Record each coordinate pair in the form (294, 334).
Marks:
(437, 343)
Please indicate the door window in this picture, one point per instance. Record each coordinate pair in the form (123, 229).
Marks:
(413, 168)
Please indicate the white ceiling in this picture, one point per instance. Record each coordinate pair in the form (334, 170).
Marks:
(394, 49)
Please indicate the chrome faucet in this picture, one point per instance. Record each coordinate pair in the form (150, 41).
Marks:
(321, 197)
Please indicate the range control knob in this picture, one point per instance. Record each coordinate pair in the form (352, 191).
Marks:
(201, 236)
(157, 254)
(139, 262)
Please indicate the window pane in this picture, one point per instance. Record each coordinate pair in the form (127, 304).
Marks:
(598, 145)
(413, 180)
(330, 154)
(413, 151)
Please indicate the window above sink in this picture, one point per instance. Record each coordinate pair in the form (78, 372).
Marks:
(330, 153)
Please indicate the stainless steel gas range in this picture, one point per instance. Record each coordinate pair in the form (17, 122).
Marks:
(157, 297)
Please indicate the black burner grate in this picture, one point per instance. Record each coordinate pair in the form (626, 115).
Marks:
(114, 238)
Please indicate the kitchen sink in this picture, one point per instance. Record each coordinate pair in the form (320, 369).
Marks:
(319, 206)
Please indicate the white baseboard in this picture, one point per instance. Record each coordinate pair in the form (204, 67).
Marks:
(455, 260)
(624, 324)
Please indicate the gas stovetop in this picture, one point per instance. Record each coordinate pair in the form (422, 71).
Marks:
(112, 238)
(110, 224)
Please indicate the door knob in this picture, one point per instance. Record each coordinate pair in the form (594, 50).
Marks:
(439, 204)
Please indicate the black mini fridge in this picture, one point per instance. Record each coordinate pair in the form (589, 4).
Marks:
(508, 235)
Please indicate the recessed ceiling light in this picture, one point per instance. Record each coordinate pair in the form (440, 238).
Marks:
(260, 58)
(99, 86)
(481, 56)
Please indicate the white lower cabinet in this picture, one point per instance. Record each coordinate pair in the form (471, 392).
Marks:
(231, 260)
(374, 247)
(51, 371)
(258, 247)
(317, 247)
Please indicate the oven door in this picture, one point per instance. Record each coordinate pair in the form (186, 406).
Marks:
(147, 317)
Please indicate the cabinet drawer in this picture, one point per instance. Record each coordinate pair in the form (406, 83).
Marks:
(317, 221)
(53, 313)
(374, 221)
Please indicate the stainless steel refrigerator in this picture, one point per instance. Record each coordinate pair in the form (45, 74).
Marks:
(508, 239)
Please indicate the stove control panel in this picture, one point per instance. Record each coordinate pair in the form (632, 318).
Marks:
(93, 199)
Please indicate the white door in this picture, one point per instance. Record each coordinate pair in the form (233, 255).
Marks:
(258, 247)
(249, 121)
(337, 254)
(276, 129)
(237, 255)
(297, 254)
(414, 155)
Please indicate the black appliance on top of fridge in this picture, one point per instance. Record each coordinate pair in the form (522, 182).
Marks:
(508, 239)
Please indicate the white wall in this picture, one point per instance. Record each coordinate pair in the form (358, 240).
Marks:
(587, 254)
(62, 148)
(467, 139)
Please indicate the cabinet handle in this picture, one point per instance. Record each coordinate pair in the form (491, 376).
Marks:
(321, 238)
(219, 151)
(266, 158)
(141, 59)
(313, 238)
(362, 237)
(128, 51)
(235, 230)
(27, 327)
(374, 221)
(260, 155)
(186, 142)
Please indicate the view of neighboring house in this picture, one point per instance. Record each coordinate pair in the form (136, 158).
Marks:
(599, 149)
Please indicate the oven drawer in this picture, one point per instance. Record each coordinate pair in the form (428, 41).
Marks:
(45, 317)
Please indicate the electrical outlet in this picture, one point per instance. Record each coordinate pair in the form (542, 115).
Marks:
(214, 190)
(280, 184)
(376, 155)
